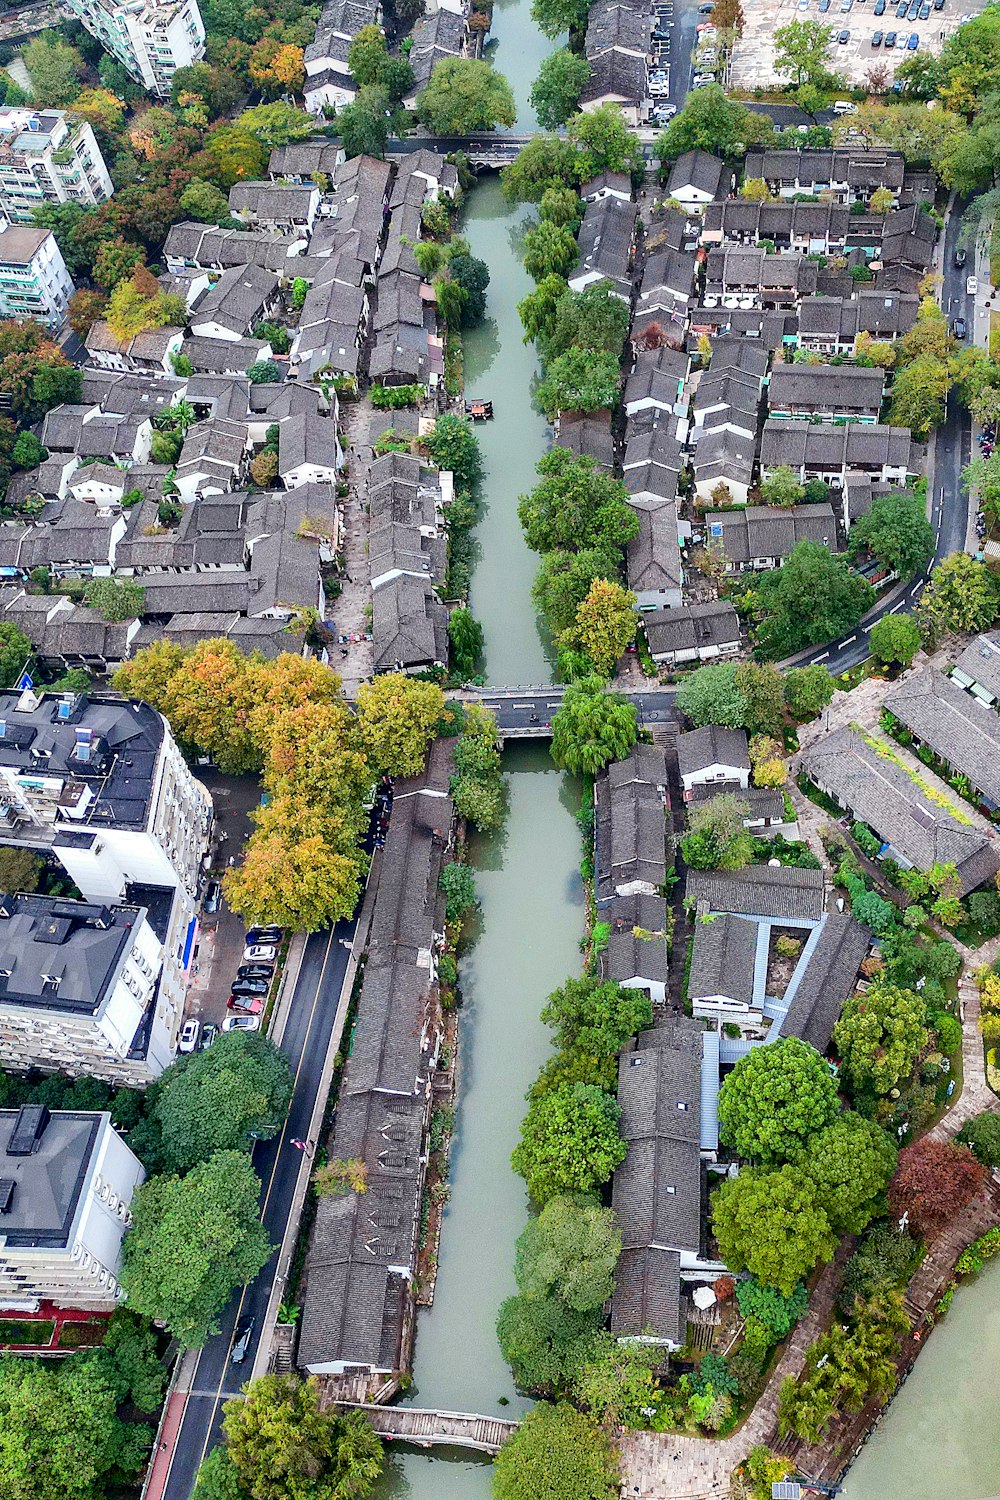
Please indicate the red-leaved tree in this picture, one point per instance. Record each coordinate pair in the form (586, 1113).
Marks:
(934, 1181)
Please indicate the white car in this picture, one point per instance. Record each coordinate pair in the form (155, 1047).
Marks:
(260, 953)
(971, 286)
(241, 1023)
(190, 1032)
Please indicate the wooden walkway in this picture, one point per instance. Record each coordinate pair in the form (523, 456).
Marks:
(427, 1428)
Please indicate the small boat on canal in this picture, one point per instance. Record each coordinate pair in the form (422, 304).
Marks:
(479, 411)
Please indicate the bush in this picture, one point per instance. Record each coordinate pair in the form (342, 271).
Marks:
(866, 840)
(949, 1031)
(393, 397)
(772, 1312)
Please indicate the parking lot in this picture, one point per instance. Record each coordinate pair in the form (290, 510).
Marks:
(861, 20)
(221, 938)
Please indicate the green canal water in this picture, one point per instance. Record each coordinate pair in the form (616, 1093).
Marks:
(527, 877)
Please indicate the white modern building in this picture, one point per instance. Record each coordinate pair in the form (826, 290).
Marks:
(66, 1183)
(150, 38)
(79, 990)
(101, 783)
(34, 281)
(47, 156)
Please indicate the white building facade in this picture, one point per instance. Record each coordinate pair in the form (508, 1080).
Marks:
(34, 281)
(48, 157)
(150, 38)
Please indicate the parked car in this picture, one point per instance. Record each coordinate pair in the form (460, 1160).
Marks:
(255, 971)
(208, 1034)
(843, 38)
(665, 111)
(213, 895)
(259, 953)
(241, 1023)
(707, 8)
(264, 935)
(241, 1342)
(844, 107)
(939, 4)
(824, 6)
(876, 38)
(250, 986)
(961, 256)
(252, 1005)
(879, 8)
(890, 39)
(190, 1032)
(913, 43)
(971, 286)
(958, 328)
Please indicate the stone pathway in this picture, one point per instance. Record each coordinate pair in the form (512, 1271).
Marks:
(350, 612)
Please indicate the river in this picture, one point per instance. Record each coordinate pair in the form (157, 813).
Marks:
(941, 1436)
(531, 897)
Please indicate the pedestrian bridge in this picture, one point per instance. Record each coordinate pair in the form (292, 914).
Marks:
(427, 1429)
(523, 713)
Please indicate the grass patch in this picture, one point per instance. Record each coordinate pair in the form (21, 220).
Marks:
(28, 1331)
(82, 1335)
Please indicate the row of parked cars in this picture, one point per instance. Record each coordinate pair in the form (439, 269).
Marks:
(248, 991)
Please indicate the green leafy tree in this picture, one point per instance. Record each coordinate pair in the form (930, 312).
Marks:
(537, 310)
(851, 1162)
(569, 1251)
(781, 487)
(961, 597)
(879, 1036)
(205, 202)
(115, 598)
(555, 94)
(397, 717)
(15, 653)
(884, 1261)
(453, 445)
(814, 597)
(364, 124)
(604, 143)
(62, 219)
(595, 318)
(264, 372)
(575, 506)
(760, 686)
(579, 380)
(920, 395)
(218, 1478)
(20, 870)
(543, 1339)
(546, 161)
(775, 1100)
(982, 1135)
(193, 1240)
(711, 122)
(598, 1017)
(221, 1099)
(605, 626)
(617, 1381)
(592, 727)
(563, 205)
(896, 531)
(772, 1224)
(553, 17)
(55, 69)
(802, 50)
(569, 1142)
(549, 250)
(367, 55)
(465, 95)
(557, 1453)
(473, 276)
(844, 1368)
(895, 638)
(744, 695)
(778, 1313)
(717, 838)
(466, 637)
(563, 582)
(459, 886)
(284, 1446)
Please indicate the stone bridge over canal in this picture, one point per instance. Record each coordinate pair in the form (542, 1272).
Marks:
(428, 1429)
(525, 713)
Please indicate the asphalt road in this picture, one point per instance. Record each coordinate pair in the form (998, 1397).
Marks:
(307, 1035)
(949, 505)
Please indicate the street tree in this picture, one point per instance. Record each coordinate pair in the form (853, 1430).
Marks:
(549, 250)
(961, 598)
(850, 1163)
(284, 1446)
(563, 582)
(808, 690)
(569, 1143)
(221, 1099)
(813, 597)
(775, 1100)
(934, 1182)
(397, 717)
(193, 1240)
(781, 487)
(592, 727)
(605, 625)
(465, 95)
(595, 1016)
(802, 50)
(557, 1453)
(555, 94)
(895, 638)
(604, 143)
(543, 1339)
(771, 1223)
(453, 445)
(712, 122)
(569, 1251)
(920, 395)
(896, 532)
(717, 838)
(553, 17)
(584, 380)
(364, 123)
(879, 1036)
(576, 506)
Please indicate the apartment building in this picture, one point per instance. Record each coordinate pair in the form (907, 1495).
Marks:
(47, 156)
(101, 783)
(34, 281)
(150, 38)
(66, 1182)
(79, 988)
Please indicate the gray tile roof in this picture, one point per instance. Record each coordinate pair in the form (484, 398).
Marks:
(694, 626)
(830, 447)
(697, 169)
(764, 531)
(713, 745)
(631, 834)
(722, 958)
(826, 388)
(627, 955)
(647, 1295)
(963, 731)
(879, 792)
(760, 891)
(980, 661)
(829, 977)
